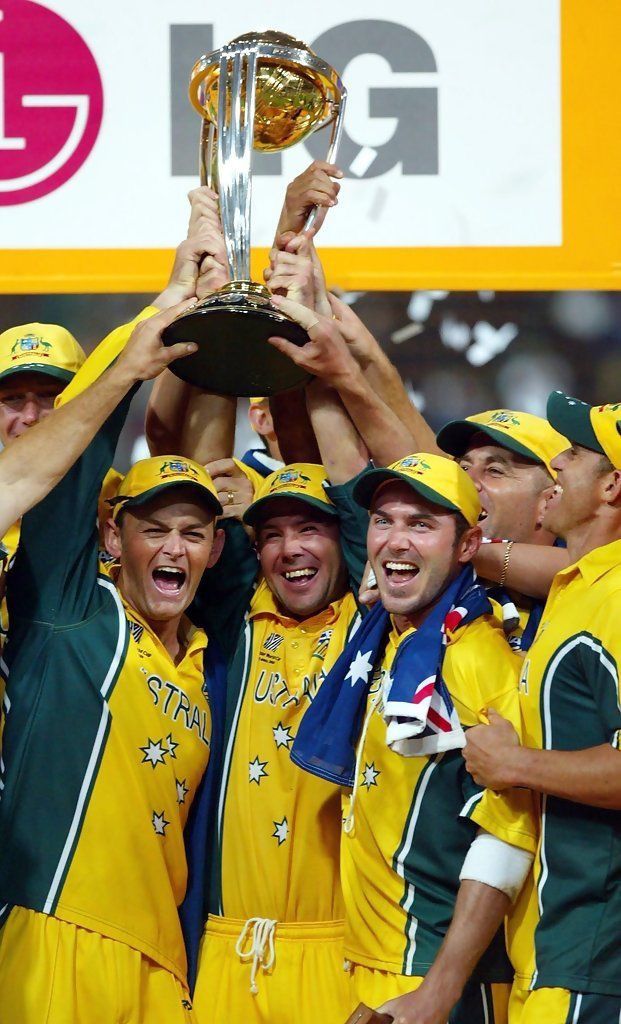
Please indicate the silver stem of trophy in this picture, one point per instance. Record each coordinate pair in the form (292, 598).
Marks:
(236, 95)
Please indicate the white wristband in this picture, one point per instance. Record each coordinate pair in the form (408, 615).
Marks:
(496, 863)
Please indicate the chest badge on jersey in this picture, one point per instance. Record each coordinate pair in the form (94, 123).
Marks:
(321, 646)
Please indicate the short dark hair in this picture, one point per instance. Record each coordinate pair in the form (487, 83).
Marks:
(461, 525)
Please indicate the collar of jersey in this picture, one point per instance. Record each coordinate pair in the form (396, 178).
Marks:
(596, 564)
(195, 639)
(264, 603)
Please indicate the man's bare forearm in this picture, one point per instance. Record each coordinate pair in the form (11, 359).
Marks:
(386, 437)
(479, 913)
(386, 382)
(34, 463)
(183, 420)
(591, 776)
(342, 451)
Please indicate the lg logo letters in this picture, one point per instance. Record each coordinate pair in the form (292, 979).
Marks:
(414, 143)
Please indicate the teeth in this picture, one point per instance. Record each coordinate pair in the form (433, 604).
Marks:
(295, 574)
(402, 566)
(169, 571)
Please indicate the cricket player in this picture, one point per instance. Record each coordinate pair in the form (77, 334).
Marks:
(410, 825)
(570, 701)
(111, 707)
(275, 928)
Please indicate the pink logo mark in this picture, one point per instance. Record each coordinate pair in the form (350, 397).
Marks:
(51, 101)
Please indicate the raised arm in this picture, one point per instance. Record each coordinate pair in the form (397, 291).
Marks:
(382, 376)
(36, 461)
(530, 568)
(326, 355)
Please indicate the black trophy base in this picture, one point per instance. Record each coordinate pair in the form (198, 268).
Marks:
(231, 329)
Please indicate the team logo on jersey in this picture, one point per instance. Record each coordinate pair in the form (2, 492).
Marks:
(273, 642)
(30, 343)
(505, 418)
(175, 467)
(322, 644)
(416, 463)
(136, 630)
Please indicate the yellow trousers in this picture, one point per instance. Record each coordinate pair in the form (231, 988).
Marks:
(560, 1006)
(305, 981)
(480, 1004)
(53, 972)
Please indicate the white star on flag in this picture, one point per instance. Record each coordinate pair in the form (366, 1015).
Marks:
(281, 831)
(282, 735)
(256, 770)
(360, 668)
(154, 752)
(370, 774)
(182, 791)
(172, 746)
(159, 823)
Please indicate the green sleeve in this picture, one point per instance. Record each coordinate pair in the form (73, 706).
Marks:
(225, 591)
(54, 577)
(354, 522)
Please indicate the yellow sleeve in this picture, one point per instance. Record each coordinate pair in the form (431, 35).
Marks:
(488, 671)
(102, 357)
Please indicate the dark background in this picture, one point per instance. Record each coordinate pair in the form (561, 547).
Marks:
(459, 353)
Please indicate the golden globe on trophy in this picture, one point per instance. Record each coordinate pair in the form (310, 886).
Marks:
(262, 91)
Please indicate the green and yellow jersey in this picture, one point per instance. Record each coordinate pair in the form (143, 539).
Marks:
(410, 820)
(274, 820)
(566, 925)
(105, 740)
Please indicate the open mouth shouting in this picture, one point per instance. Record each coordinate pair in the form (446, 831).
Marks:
(169, 580)
(400, 573)
(300, 578)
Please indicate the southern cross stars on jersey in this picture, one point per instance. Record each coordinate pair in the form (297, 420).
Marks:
(105, 740)
(275, 820)
(413, 817)
(278, 819)
(569, 696)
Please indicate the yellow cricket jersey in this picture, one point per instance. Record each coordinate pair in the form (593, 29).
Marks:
(279, 826)
(564, 932)
(105, 738)
(413, 816)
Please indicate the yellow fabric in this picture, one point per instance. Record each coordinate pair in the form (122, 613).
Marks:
(257, 401)
(40, 348)
(302, 480)
(606, 423)
(52, 972)
(534, 433)
(256, 479)
(281, 826)
(374, 988)
(573, 606)
(434, 477)
(306, 984)
(543, 1006)
(153, 761)
(101, 357)
(480, 672)
(148, 475)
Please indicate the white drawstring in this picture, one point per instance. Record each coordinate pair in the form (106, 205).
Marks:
(348, 823)
(262, 935)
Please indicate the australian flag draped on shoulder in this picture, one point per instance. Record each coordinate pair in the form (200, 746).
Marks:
(419, 712)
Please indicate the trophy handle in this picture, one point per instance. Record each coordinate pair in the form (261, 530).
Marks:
(335, 139)
(236, 82)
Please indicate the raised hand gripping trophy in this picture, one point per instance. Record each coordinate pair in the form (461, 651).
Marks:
(264, 91)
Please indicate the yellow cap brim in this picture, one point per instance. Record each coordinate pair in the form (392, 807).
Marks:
(121, 501)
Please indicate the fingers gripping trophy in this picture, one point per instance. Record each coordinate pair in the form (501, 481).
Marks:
(262, 91)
